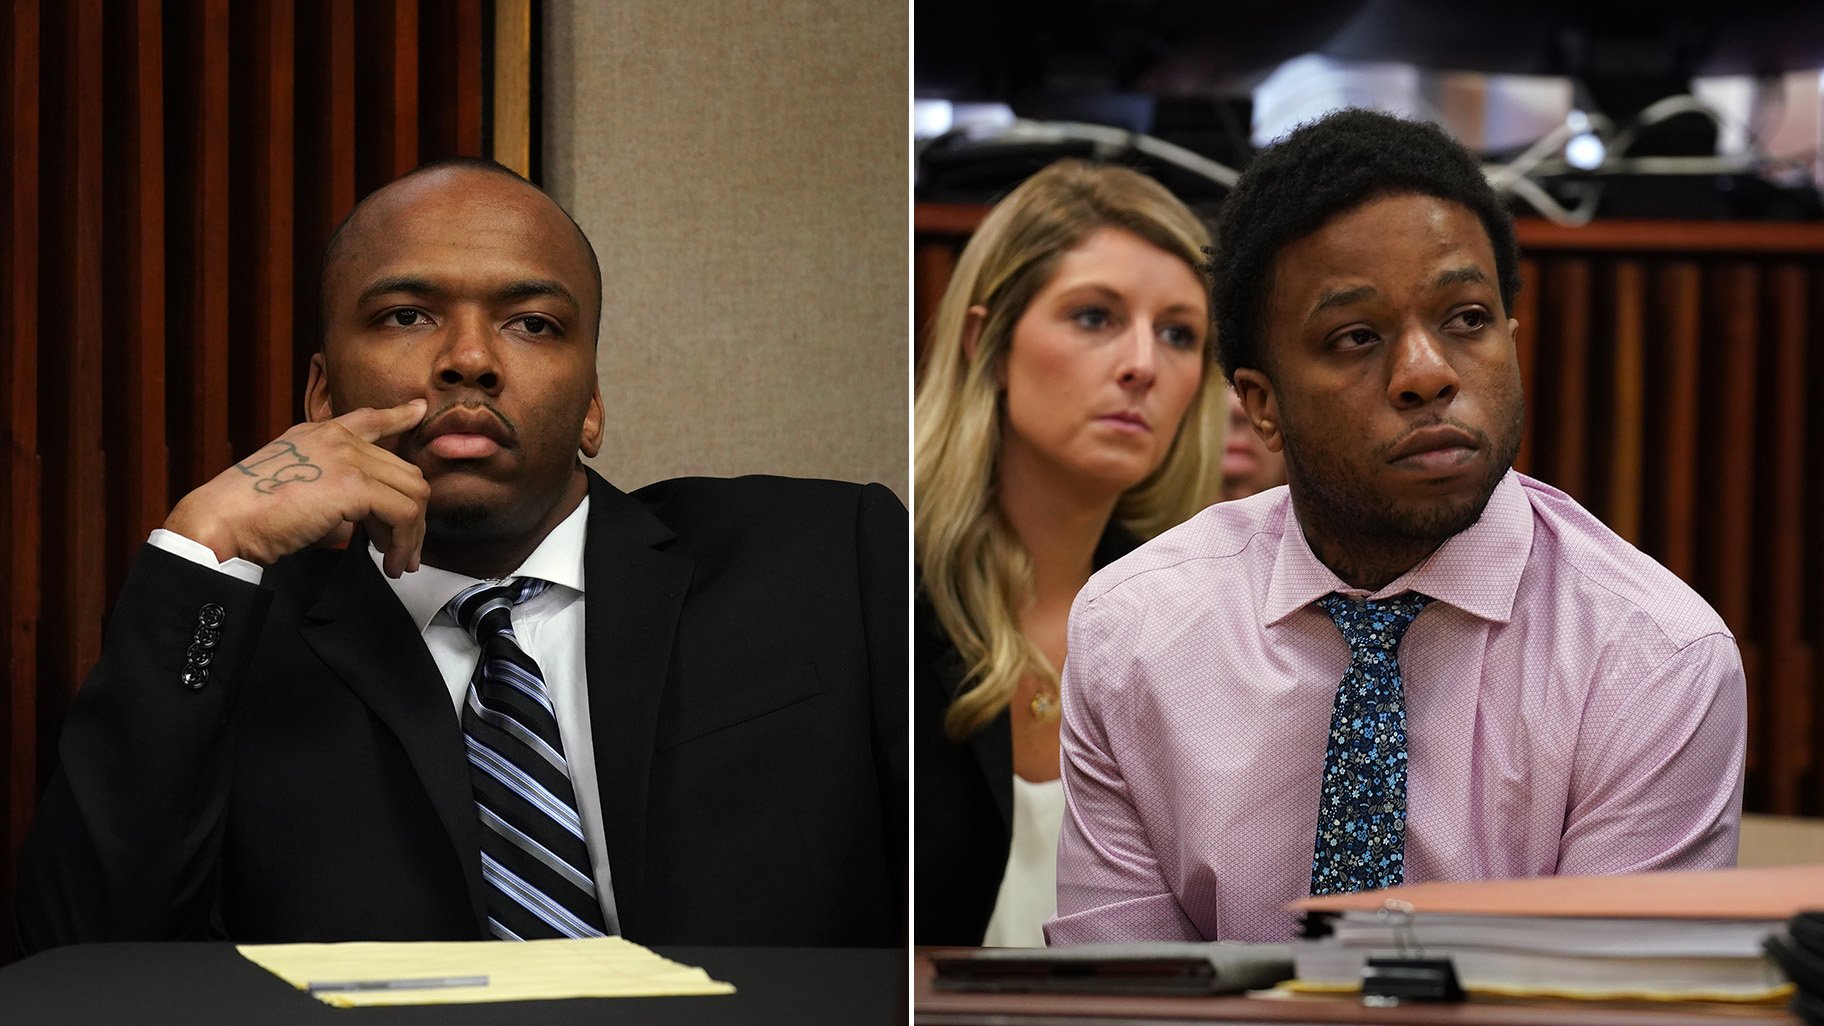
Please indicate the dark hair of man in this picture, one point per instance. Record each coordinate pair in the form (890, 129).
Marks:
(333, 248)
(1322, 169)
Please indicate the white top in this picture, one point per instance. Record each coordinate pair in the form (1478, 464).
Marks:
(1029, 888)
(550, 627)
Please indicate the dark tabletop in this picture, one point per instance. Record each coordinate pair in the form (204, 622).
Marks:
(204, 984)
(937, 1007)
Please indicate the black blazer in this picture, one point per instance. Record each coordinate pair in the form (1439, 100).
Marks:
(963, 803)
(746, 662)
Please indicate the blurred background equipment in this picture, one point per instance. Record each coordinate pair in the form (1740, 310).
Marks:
(1624, 108)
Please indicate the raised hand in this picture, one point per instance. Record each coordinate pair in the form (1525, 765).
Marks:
(311, 482)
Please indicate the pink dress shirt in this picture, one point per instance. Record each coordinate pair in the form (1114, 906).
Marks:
(1572, 708)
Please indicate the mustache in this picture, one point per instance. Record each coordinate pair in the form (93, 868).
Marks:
(429, 428)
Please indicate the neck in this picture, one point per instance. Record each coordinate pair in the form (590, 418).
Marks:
(495, 557)
(1058, 523)
(1363, 560)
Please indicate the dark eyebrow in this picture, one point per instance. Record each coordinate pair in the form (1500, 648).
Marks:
(400, 283)
(1342, 297)
(1470, 275)
(535, 288)
(415, 286)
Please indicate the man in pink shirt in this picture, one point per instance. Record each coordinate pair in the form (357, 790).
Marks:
(1412, 663)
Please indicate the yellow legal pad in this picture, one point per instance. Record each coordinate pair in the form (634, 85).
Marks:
(515, 970)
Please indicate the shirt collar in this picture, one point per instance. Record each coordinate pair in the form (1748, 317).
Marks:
(1477, 570)
(558, 559)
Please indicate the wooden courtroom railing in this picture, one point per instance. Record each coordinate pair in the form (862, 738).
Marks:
(170, 172)
(1669, 368)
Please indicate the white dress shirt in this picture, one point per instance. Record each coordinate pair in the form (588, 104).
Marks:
(549, 627)
(1029, 888)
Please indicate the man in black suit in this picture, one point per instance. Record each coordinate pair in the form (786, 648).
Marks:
(272, 746)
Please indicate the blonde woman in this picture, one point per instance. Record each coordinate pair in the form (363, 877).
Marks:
(1069, 407)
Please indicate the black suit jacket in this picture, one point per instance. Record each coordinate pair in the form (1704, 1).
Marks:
(746, 671)
(963, 812)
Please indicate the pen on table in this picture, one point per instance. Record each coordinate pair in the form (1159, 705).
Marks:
(418, 983)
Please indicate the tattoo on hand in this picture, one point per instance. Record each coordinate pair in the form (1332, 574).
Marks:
(291, 465)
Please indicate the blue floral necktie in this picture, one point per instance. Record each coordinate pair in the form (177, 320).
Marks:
(1361, 817)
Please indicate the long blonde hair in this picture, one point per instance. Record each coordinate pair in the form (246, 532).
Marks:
(975, 573)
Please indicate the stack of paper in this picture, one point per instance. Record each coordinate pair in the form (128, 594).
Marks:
(461, 972)
(1661, 936)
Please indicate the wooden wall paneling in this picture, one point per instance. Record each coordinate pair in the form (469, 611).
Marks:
(465, 55)
(386, 59)
(212, 446)
(134, 269)
(1565, 406)
(449, 79)
(934, 261)
(1624, 453)
(1672, 529)
(197, 244)
(69, 372)
(324, 157)
(955, 220)
(1727, 524)
(1632, 235)
(1811, 619)
(1781, 560)
(269, 155)
(512, 98)
(1734, 323)
(1526, 349)
(19, 568)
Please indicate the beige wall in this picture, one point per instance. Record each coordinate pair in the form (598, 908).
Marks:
(741, 169)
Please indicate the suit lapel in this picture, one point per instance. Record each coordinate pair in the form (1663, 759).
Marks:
(992, 745)
(634, 593)
(356, 629)
(993, 748)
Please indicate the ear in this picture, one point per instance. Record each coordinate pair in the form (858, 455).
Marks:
(1513, 329)
(1256, 392)
(317, 404)
(591, 442)
(973, 319)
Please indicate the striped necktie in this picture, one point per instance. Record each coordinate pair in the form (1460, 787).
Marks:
(1361, 815)
(533, 860)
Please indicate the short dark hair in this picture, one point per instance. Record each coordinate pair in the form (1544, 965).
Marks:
(1324, 168)
(333, 248)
